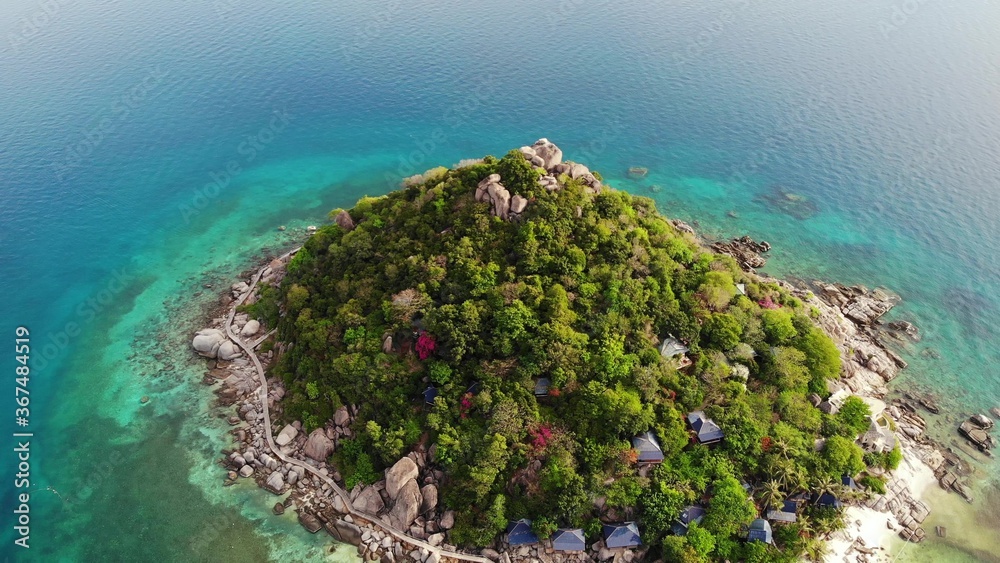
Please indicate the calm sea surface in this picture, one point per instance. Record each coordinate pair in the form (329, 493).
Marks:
(148, 149)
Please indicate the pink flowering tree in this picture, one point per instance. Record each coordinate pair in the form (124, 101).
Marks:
(425, 346)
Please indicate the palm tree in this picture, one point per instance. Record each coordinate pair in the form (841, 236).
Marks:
(781, 447)
(826, 484)
(816, 549)
(771, 495)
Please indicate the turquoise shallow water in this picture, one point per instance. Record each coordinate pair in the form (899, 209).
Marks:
(147, 150)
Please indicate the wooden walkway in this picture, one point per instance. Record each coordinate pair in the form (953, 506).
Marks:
(262, 391)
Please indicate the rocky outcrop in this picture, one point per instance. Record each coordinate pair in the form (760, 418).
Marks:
(398, 475)
(310, 522)
(745, 250)
(318, 446)
(543, 153)
(275, 482)
(406, 505)
(344, 220)
(490, 190)
(207, 342)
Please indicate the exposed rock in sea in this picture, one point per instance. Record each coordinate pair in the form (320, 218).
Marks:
(246, 471)
(318, 446)
(207, 342)
(275, 482)
(310, 522)
(400, 474)
(745, 250)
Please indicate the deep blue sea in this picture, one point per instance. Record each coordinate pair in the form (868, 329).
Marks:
(148, 149)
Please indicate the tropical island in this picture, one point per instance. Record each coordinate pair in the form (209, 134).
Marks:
(510, 360)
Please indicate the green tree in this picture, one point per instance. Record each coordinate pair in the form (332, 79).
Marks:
(842, 456)
(729, 509)
(854, 416)
(778, 327)
(721, 331)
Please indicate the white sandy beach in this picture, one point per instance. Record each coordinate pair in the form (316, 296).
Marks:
(873, 527)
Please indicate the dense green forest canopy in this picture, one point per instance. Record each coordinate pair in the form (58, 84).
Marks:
(580, 289)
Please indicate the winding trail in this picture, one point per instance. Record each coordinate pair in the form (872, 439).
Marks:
(262, 393)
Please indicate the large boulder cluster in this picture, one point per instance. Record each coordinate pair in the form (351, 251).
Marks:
(545, 156)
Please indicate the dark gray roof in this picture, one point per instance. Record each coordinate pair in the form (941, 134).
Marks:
(519, 532)
(693, 513)
(784, 514)
(648, 447)
(566, 539)
(826, 500)
(672, 347)
(625, 534)
(542, 386)
(707, 430)
(848, 481)
(760, 530)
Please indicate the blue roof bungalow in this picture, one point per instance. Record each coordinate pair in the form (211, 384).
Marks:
(760, 531)
(826, 500)
(691, 514)
(430, 394)
(848, 482)
(566, 539)
(786, 513)
(625, 534)
(542, 387)
(706, 430)
(648, 448)
(519, 532)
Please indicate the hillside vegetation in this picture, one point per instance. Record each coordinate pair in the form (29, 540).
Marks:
(580, 289)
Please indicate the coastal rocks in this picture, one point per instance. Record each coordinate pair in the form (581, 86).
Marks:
(287, 434)
(906, 328)
(228, 351)
(345, 532)
(344, 220)
(275, 482)
(406, 506)
(397, 476)
(246, 471)
(207, 342)
(547, 152)
(310, 522)
(745, 250)
(976, 435)
(429, 493)
(251, 328)
(318, 446)
(369, 501)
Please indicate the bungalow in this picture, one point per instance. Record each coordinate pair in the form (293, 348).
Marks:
(760, 531)
(542, 387)
(519, 532)
(848, 482)
(430, 394)
(566, 539)
(879, 438)
(673, 348)
(474, 389)
(625, 534)
(648, 448)
(706, 430)
(741, 288)
(693, 513)
(826, 500)
(787, 512)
